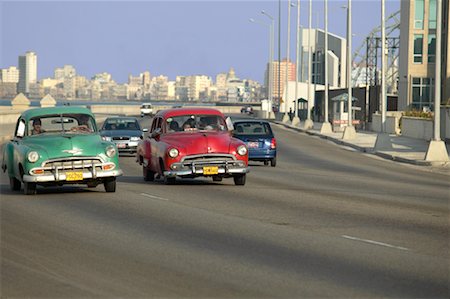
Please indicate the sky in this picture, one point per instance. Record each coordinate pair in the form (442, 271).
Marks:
(167, 38)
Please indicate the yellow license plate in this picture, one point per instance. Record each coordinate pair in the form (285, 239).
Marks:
(74, 176)
(210, 170)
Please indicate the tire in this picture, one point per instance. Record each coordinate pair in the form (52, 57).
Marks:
(273, 162)
(239, 180)
(149, 176)
(266, 162)
(14, 184)
(29, 188)
(110, 185)
(169, 180)
(217, 179)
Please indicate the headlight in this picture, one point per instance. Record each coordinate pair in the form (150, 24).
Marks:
(173, 152)
(242, 150)
(33, 156)
(106, 138)
(110, 151)
(135, 138)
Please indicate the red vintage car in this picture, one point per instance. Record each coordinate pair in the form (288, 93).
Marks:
(192, 142)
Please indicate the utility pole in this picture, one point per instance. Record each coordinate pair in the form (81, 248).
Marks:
(437, 150)
(326, 126)
(308, 122)
(286, 117)
(296, 119)
(349, 131)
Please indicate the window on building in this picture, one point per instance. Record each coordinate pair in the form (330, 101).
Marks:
(432, 15)
(422, 93)
(418, 14)
(418, 48)
(432, 48)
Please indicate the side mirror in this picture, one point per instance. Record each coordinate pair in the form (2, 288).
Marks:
(145, 130)
(229, 124)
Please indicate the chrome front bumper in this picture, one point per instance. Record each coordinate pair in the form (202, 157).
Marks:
(61, 176)
(224, 168)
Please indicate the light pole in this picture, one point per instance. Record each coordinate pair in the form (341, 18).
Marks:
(349, 131)
(383, 140)
(271, 51)
(308, 122)
(296, 119)
(326, 126)
(286, 117)
(437, 150)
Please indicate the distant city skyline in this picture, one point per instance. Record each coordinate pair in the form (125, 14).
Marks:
(170, 38)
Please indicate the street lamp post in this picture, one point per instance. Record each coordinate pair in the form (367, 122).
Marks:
(296, 119)
(349, 131)
(437, 150)
(308, 122)
(286, 117)
(271, 51)
(326, 126)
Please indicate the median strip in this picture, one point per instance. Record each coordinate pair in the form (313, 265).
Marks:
(374, 242)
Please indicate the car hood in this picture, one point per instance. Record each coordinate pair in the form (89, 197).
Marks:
(66, 145)
(117, 133)
(200, 142)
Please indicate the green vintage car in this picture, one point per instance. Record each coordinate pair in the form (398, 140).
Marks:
(57, 146)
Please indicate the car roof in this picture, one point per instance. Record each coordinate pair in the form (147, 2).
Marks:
(121, 117)
(186, 111)
(250, 121)
(36, 112)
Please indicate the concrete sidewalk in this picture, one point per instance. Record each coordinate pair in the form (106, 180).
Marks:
(404, 149)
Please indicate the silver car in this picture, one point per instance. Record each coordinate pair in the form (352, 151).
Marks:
(124, 132)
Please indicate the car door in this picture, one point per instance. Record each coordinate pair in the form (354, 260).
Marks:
(155, 147)
(13, 154)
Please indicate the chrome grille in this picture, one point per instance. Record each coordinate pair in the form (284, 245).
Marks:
(121, 138)
(208, 159)
(76, 163)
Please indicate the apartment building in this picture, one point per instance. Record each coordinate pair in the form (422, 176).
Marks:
(418, 54)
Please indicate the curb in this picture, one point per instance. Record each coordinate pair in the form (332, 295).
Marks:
(363, 149)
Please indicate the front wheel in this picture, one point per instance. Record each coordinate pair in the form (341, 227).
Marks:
(29, 188)
(239, 179)
(110, 185)
(149, 176)
(14, 184)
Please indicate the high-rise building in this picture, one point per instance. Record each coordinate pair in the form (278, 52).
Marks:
(418, 54)
(9, 75)
(280, 69)
(27, 71)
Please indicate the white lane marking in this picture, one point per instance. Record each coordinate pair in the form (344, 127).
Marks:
(374, 242)
(153, 196)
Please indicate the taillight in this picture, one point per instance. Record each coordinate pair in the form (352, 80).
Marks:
(273, 143)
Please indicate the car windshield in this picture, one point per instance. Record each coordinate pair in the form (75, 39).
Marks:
(252, 128)
(195, 123)
(112, 124)
(63, 123)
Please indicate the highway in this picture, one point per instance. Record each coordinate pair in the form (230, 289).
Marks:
(328, 221)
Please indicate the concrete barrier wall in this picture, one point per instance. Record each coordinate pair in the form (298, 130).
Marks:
(415, 127)
(392, 123)
(9, 116)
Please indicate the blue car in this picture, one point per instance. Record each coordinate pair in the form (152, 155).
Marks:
(259, 138)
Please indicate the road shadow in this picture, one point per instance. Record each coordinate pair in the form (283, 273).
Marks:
(40, 190)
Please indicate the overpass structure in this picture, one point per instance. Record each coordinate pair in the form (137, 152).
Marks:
(368, 55)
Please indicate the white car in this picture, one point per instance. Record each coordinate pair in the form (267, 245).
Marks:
(146, 109)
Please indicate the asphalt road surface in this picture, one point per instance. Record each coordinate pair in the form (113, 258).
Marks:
(326, 222)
